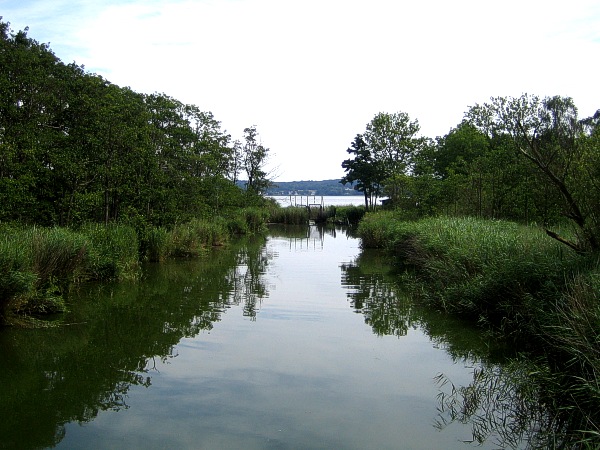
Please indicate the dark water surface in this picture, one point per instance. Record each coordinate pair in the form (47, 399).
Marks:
(296, 341)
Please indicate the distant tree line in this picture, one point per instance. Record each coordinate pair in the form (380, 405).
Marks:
(526, 159)
(310, 187)
(76, 148)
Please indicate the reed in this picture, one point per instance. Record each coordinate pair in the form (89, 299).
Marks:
(113, 253)
(38, 266)
(347, 215)
(290, 215)
(17, 280)
(190, 239)
(522, 285)
(256, 218)
(157, 244)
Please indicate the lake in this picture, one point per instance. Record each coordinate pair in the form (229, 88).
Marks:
(297, 340)
(325, 200)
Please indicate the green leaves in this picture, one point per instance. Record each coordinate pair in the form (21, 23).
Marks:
(75, 148)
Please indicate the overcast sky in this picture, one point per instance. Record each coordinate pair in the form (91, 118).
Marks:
(311, 74)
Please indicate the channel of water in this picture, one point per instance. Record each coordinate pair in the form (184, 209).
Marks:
(299, 340)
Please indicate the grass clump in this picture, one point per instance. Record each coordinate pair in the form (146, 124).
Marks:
(346, 215)
(495, 272)
(37, 267)
(189, 240)
(113, 253)
(289, 215)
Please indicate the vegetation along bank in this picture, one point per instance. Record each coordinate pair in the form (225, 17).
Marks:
(499, 222)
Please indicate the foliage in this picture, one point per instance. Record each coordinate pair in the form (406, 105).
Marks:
(254, 157)
(382, 155)
(192, 238)
(363, 171)
(75, 148)
(548, 134)
(113, 252)
(490, 271)
(530, 290)
(349, 214)
(291, 215)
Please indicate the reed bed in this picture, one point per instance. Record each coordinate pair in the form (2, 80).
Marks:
(192, 238)
(113, 252)
(298, 215)
(290, 215)
(347, 215)
(521, 285)
(39, 265)
(491, 271)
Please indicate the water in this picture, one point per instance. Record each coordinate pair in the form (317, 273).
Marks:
(294, 341)
(326, 200)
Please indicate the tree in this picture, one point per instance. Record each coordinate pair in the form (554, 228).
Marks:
(384, 154)
(254, 159)
(548, 134)
(363, 171)
(393, 143)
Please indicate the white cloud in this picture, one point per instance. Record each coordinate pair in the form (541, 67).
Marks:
(311, 74)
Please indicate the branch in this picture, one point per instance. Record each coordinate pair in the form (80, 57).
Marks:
(562, 240)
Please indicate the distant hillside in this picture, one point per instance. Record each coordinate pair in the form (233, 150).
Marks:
(325, 187)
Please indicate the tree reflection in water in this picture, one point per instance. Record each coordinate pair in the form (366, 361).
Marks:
(505, 403)
(118, 331)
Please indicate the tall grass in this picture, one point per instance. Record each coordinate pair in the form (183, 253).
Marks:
(39, 265)
(17, 280)
(290, 215)
(520, 283)
(491, 271)
(298, 215)
(192, 238)
(347, 215)
(113, 252)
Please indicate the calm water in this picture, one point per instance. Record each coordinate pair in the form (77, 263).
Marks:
(297, 341)
(327, 200)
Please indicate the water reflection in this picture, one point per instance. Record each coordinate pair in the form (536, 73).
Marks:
(118, 337)
(377, 292)
(112, 339)
(502, 405)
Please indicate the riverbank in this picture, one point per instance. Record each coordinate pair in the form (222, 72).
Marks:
(521, 285)
(38, 266)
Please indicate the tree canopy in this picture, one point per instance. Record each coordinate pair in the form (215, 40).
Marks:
(76, 148)
(528, 159)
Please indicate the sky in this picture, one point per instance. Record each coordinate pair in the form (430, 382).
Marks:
(311, 74)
